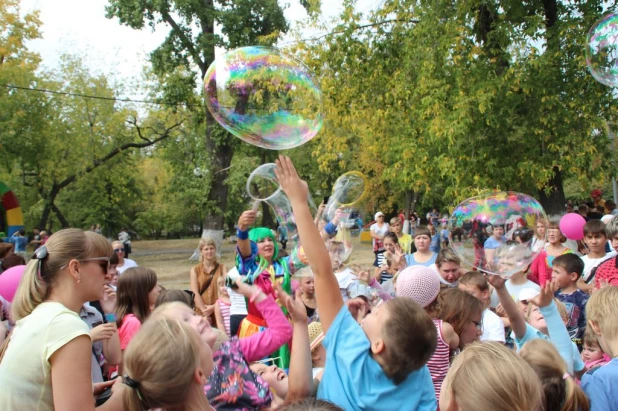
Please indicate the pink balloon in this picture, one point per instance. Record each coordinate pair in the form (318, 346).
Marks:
(572, 226)
(9, 281)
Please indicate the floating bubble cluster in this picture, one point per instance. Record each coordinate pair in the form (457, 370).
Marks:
(494, 232)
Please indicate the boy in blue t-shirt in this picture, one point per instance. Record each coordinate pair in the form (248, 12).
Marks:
(601, 386)
(566, 271)
(379, 365)
(544, 322)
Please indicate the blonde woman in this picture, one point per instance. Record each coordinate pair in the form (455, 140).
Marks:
(47, 363)
(509, 384)
(204, 277)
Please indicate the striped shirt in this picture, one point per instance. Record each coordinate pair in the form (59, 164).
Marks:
(438, 364)
(225, 313)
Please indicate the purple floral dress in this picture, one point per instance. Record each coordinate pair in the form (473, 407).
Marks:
(232, 385)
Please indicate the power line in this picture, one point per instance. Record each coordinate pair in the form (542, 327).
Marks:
(124, 100)
(358, 27)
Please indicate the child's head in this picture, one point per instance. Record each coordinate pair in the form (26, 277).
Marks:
(390, 241)
(137, 292)
(536, 319)
(566, 270)
(395, 225)
(448, 264)
(309, 404)
(399, 351)
(594, 236)
(336, 251)
(591, 350)
(168, 366)
(561, 390)
(475, 284)
(464, 313)
(307, 285)
(168, 296)
(422, 238)
(497, 231)
(222, 287)
(418, 283)
(601, 312)
(182, 312)
(611, 232)
(268, 247)
(523, 235)
(316, 336)
(508, 383)
(540, 229)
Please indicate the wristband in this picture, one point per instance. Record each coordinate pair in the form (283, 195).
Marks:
(242, 235)
(254, 296)
(110, 317)
(330, 228)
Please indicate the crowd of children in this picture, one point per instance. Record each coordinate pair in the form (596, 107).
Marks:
(304, 331)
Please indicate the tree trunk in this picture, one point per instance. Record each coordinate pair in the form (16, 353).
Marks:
(44, 216)
(63, 221)
(554, 201)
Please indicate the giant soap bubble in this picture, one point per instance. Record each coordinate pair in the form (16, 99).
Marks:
(493, 232)
(602, 50)
(348, 191)
(264, 97)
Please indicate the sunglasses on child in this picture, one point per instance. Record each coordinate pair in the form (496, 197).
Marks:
(119, 250)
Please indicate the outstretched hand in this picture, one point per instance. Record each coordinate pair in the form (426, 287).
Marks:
(291, 184)
(546, 296)
(295, 306)
(495, 280)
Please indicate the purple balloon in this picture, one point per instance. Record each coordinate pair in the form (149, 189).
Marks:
(9, 281)
(572, 226)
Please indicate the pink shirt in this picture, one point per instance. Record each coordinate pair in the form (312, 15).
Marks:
(279, 331)
(130, 326)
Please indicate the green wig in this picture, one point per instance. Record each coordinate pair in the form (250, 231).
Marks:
(260, 233)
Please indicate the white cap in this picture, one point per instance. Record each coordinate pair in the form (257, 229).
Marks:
(379, 213)
(528, 294)
(607, 218)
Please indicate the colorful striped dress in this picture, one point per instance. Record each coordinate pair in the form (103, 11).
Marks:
(224, 307)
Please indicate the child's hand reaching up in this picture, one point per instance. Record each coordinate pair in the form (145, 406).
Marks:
(495, 280)
(291, 183)
(295, 306)
(546, 296)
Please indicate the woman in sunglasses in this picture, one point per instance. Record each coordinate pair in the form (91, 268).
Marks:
(123, 263)
(46, 364)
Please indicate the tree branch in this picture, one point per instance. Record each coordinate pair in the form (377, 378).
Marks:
(114, 152)
(186, 43)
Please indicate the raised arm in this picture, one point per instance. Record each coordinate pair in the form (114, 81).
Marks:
(508, 305)
(278, 332)
(326, 286)
(246, 220)
(300, 375)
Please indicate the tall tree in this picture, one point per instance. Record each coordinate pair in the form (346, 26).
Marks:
(182, 59)
(450, 99)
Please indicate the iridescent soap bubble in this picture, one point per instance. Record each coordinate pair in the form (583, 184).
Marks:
(602, 50)
(492, 232)
(264, 97)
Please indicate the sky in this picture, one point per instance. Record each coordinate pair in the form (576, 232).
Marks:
(80, 27)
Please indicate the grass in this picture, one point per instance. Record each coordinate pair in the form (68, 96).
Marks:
(170, 258)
